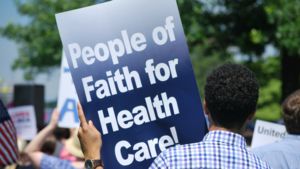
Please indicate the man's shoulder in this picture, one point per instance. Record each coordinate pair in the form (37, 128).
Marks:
(191, 153)
(183, 149)
(182, 153)
(281, 153)
(270, 148)
(208, 155)
(182, 156)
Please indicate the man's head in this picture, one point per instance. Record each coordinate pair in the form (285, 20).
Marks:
(291, 113)
(231, 94)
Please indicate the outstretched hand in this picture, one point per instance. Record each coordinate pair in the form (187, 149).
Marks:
(89, 137)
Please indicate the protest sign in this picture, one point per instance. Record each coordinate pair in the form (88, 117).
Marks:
(24, 121)
(131, 68)
(67, 98)
(267, 133)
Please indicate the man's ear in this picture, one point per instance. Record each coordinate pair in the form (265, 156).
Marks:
(205, 109)
(251, 116)
(207, 113)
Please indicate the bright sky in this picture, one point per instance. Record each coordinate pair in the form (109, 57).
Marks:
(9, 52)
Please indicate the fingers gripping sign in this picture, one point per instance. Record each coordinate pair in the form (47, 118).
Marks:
(89, 137)
(81, 116)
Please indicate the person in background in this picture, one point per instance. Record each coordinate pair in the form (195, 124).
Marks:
(44, 161)
(61, 135)
(67, 144)
(49, 145)
(285, 154)
(231, 95)
(71, 150)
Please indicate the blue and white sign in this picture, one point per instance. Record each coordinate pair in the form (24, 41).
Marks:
(130, 64)
(67, 98)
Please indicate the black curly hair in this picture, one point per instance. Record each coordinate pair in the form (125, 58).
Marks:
(231, 94)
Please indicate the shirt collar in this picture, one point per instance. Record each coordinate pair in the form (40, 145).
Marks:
(225, 137)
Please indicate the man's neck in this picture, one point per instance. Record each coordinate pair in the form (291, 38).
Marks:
(214, 128)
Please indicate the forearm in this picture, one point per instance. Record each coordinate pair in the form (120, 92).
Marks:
(38, 141)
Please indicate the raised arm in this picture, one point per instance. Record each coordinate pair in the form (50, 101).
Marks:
(90, 138)
(34, 147)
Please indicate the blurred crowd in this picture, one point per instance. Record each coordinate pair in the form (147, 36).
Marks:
(60, 148)
(53, 147)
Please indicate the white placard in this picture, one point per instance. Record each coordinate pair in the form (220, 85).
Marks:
(24, 120)
(67, 98)
(266, 133)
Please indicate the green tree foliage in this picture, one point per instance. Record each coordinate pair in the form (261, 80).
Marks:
(268, 74)
(285, 16)
(250, 25)
(40, 45)
(219, 25)
(206, 52)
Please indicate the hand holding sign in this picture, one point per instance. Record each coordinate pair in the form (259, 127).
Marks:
(89, 137)
(134, 81)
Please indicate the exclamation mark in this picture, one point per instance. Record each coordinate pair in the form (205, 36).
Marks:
(174, 134)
